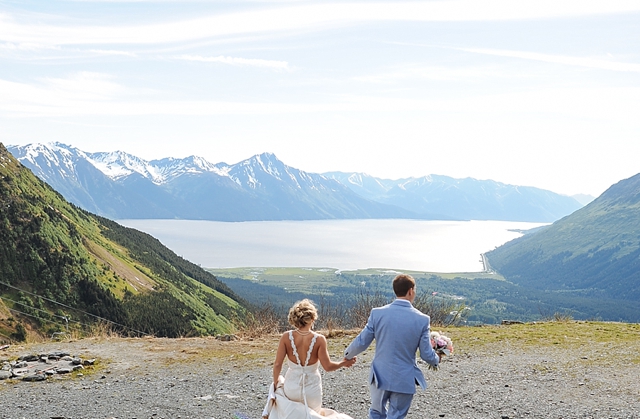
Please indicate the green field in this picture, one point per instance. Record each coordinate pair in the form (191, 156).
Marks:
(489, 297)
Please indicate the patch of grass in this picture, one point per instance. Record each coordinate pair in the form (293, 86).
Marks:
(616, 342)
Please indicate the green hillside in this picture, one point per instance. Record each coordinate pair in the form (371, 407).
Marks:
(594, 252)
(58, 261)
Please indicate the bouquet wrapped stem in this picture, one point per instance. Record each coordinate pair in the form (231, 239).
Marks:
(441, 344)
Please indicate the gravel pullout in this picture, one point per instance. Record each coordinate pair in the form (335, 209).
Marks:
(164, 379)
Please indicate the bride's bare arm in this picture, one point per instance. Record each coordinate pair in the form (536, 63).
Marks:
(325, 359)
(277, 364)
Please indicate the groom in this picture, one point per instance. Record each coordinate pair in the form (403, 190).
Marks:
(399, 330)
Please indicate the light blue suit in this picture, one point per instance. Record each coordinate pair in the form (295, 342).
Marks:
(399, 330)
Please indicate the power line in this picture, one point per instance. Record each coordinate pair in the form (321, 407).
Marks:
(66, 319)
(40, 318)
(73, 308)
(27, 305)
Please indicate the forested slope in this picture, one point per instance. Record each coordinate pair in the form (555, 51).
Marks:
(594, 251)
(58, 261)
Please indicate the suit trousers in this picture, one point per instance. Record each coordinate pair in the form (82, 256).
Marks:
(399, 404)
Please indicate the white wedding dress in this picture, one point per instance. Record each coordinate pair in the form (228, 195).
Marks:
(299, 394)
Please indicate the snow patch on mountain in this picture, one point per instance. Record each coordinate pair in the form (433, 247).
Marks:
(117, 165)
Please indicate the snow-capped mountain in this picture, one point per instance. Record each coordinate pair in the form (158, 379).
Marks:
(119, 185)
(466, 198)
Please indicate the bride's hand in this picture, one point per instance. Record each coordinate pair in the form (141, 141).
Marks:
(348, 362)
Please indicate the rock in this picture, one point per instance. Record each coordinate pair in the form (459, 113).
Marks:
(34, 377)
(226, 338)
(29, 358)
(88, 362)
(63, 370)
(76, 361)
(4, 375)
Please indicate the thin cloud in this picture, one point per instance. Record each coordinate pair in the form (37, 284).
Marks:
(306, 17)
(91, 94)
(237, 61)
(434, 73)
(113, 52)
(559, 59)
(69, 95)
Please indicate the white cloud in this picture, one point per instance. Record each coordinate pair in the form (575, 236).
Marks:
(314, 16)
(436, 73)
(112, 52)
(253, 62)
(559, 59)
(95, 94)
(60, 96)
(85, 85)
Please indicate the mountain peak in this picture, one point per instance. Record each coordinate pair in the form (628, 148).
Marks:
(276, 186)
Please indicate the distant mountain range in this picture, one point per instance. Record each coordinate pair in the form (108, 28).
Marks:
(118, 185)
(462, 198)
(593, 253)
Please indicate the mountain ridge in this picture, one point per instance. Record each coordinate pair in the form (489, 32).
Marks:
(60, 261)
(119, 185)
(466, 198)
(594, 251)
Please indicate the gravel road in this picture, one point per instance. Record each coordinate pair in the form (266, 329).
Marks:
(206, 378)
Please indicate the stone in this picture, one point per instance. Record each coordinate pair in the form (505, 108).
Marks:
(226, 338)
(4, 375)
(34, 377)
(88, 362)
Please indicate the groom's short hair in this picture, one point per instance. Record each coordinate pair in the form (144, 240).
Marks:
(402, 284)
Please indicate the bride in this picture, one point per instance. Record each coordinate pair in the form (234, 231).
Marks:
(299, 394)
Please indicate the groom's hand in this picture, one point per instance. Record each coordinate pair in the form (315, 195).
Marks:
(349, 362)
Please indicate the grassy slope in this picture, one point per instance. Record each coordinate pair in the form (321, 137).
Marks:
(49, 246)
(595, 251)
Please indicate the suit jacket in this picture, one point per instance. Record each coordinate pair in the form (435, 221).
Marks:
(399, 330)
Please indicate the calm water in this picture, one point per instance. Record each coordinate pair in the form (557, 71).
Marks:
(433, 246)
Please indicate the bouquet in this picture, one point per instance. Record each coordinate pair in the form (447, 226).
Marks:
(441, 344)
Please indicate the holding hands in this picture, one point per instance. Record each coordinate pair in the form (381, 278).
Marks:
(347, 362)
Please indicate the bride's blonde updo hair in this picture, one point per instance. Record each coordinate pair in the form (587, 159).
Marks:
(302, 313)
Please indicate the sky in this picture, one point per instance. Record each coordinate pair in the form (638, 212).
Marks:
(542, 93)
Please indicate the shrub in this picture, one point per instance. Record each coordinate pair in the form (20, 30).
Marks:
(20, 334)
